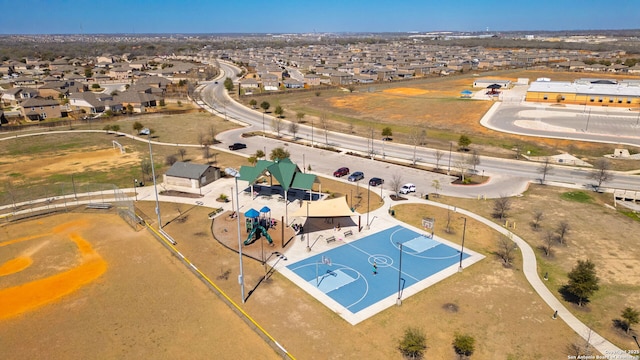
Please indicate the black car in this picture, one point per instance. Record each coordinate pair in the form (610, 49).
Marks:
(376, 181)
(237, 146)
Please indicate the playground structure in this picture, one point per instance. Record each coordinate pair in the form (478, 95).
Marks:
(258, 231)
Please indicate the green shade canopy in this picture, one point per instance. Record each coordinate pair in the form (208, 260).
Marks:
(285, 171)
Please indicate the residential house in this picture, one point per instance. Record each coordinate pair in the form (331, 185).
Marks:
(312, 79)
(140, 101)
(249, 83)
(15, 96)
(38, 108)
(270, 82)
(93, 103)
(293, 84)
(340, 78)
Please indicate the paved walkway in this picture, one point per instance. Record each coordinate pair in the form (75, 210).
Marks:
(380, 219)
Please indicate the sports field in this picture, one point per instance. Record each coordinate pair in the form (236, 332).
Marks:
(87, 286)
(363, 277)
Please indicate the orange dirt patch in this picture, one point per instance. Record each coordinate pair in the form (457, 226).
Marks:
(37, 293)
(407, 91)
(15, 265)
(95, 160)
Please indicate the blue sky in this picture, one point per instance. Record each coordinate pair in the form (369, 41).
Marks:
(304, 16)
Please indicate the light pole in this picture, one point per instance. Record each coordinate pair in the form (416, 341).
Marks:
(586, 128)
(368, 197)
(307, 233)
(135, 190)
(464, 230)
(236, 174)
(155, 186)
(399, 300)
(449, 167)
(311, 132)
(263, 131)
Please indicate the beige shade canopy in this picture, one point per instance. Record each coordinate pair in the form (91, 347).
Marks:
(325, 208)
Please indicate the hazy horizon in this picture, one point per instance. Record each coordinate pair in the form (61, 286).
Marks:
(69, 17)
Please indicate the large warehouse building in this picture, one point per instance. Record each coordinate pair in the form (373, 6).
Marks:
(591, 92)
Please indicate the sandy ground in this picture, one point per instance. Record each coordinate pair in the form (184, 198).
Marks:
(124, 296)
(88, 159)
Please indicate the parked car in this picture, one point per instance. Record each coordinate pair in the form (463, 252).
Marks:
(376, 181)
(237, 146)
(341, 172)
(387, 139)
(407, 188)
(358, 175)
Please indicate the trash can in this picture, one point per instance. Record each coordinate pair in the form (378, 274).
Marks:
(426, 196)
(393, 212)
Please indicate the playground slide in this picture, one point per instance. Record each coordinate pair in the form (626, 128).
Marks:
(263, 231)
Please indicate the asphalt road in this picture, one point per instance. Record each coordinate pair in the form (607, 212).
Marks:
(508, 177)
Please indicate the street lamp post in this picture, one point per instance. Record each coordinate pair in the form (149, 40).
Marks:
(236, 174)
(586, 128)
(135, 188)
(263, 131)
(311, 132)
(449, 167)
(464, 230)
(368, 197)
(307, 233)
(399, 300)
(155, 186)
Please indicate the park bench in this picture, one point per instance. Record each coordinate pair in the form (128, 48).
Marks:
(215, 212)
(331, 239)
(102, 206)
(348, 233)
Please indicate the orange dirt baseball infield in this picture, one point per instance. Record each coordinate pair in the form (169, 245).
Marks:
(33, 294)
(87, 286)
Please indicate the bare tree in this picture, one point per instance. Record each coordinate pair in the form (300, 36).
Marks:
(463, 165)
(544, 169)
(548, 241)
(11, 190)
(324, 124)
(276, 125)
(447, 225)
(602, 172)
(202, 140)
(182, 152)
(500, 206)
(436, 186)
(417, 136)
(506, 247)
(474, 159)
(170, 159)
(396, 183)
(300, 115)
(212, 134)
(293, 129)
(206, 153)
(538, 215)
(371, 153)
(562, 230)
(145, 167)
(439, 154)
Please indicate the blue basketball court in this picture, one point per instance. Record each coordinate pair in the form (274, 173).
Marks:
(347, 276)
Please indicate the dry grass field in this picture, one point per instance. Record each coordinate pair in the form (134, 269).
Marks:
(86, 286)
(596, 232)
(433, 104)
(164, 309)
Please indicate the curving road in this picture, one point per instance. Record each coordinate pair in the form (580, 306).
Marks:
(508, 177)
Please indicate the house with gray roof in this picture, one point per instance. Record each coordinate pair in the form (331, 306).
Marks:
(38, 108)
(190, 175)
